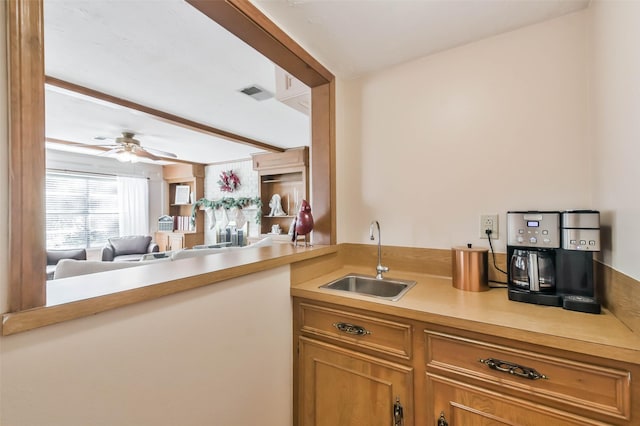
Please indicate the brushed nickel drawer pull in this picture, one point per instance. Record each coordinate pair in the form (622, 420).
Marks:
(514, 369)
(351, 329)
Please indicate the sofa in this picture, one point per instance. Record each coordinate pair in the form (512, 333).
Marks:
(71, 268)
(203, 250)
(55, 256)
(128, 249)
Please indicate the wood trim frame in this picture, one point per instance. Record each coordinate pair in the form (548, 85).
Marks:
(246, 22)
(26, 153)
(27, 132)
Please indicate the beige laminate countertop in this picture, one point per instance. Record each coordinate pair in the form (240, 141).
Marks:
(85, 295)
(434, 300)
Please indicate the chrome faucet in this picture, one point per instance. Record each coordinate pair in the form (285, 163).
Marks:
(379, 269)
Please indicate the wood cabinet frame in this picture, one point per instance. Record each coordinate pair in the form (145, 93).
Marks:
(448, 377)
(27, 132)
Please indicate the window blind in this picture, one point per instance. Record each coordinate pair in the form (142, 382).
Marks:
(81, 210)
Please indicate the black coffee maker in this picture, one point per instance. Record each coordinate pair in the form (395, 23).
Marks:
(533, 239)
(580, 235)
(550, 257)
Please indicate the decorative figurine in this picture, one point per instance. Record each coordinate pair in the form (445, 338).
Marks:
(302, 224)
(276, 206)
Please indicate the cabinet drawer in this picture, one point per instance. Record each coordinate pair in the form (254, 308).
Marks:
(570, 383)
(382, 336)
(461, 404)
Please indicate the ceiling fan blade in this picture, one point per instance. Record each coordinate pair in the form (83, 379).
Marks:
(161, 153)
(111, 145)
(72, 143)
(111, 151)
(103, 138)
(144, 153)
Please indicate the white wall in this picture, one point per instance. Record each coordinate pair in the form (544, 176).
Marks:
(616, 129)
(218, 355)
(497, 125)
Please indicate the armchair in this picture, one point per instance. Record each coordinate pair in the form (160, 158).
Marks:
(55, 256)
(127, 249)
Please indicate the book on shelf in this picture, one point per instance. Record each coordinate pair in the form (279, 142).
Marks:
(182, 223)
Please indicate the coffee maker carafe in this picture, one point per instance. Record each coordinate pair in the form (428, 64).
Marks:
(533, 237)
(533, 270)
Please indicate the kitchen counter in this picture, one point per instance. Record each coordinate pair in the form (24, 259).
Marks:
(434, 300)
(85, 295)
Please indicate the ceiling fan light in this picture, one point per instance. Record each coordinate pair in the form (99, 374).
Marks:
(124, 156)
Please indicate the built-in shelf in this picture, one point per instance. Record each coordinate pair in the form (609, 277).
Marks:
(180, 176)
(284, 174)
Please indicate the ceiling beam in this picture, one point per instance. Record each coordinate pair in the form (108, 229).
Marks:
(163, 116)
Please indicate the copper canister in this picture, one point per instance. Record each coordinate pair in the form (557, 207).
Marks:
(470, 268)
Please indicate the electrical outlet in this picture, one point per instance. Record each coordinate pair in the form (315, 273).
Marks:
(489, 221)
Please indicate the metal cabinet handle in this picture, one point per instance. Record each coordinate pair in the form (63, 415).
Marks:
(351, 329)
(514, 369)
(441, 420)
(398, 413)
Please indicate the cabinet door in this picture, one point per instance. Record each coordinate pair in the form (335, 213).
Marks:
(346, 388)
(192, 239)
(176, 241)
(162, 239)
(461, 404)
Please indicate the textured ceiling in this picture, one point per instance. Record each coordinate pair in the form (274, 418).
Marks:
(166, 55)
(352, 37)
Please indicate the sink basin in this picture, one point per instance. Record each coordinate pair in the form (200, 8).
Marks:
(388, 289)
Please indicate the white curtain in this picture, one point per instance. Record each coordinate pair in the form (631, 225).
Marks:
(133, 203)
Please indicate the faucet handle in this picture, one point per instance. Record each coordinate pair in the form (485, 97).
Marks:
(380, 269)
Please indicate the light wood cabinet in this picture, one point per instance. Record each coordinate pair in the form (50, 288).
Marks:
(352, 369)
(550, 382)
(177, 240)
(462, 404)
(347, 388)
(285, 174)
(456, 377)
(188, 178)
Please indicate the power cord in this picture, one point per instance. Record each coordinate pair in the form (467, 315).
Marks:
(493, 254)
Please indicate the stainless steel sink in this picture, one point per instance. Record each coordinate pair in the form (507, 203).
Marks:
(388, 289)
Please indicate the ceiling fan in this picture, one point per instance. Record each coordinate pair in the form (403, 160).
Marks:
(127, 148)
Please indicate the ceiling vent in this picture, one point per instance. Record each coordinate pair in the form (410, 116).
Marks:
(257, 92)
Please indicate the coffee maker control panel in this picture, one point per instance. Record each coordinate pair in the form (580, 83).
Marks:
(580, 230)
(533, 229)
(581, 239)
